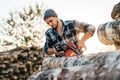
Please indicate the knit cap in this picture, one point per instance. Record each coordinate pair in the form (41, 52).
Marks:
(49, 13)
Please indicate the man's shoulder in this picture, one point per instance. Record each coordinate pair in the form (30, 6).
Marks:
(68, 21)
(49, 31)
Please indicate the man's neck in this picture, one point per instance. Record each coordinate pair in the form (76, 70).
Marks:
(59, 28)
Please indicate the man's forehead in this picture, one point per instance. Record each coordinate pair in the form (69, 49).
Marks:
(49, 19)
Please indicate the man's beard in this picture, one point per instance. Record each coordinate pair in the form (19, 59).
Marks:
(57, 24)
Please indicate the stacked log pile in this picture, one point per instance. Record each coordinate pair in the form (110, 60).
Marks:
(20, 63)
(28, 64)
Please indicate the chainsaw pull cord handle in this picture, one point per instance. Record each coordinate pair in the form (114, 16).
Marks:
(82, 49)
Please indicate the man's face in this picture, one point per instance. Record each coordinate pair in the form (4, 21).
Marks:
(52, 21)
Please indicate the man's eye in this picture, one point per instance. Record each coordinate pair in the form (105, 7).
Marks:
(50, 21)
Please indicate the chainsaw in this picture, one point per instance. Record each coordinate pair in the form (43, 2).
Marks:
(68, 50)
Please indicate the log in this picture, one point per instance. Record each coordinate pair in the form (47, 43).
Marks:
(99, 66)
(20, 63)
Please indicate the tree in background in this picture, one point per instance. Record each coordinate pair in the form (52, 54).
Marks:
(23, 28)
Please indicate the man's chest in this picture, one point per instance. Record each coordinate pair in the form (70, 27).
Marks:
(64, 35)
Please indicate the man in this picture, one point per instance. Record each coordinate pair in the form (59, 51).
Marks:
(64, 32)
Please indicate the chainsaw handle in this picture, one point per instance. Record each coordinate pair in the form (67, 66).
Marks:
(84, 47)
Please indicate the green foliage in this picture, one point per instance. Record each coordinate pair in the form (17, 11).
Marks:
(25, 28)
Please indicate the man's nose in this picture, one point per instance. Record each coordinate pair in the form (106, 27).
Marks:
(50, 24)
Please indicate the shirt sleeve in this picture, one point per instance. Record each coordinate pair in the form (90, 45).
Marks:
(84, 27)
(47, 44)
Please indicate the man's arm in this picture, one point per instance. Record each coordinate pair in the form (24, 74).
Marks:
(51, 51)
(48, 49)
(81, 42)
(88, 30)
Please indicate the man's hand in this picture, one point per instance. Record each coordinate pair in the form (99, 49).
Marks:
(81, 44)
(51, 51)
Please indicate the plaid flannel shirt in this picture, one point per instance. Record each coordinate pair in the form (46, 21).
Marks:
(70, 30)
